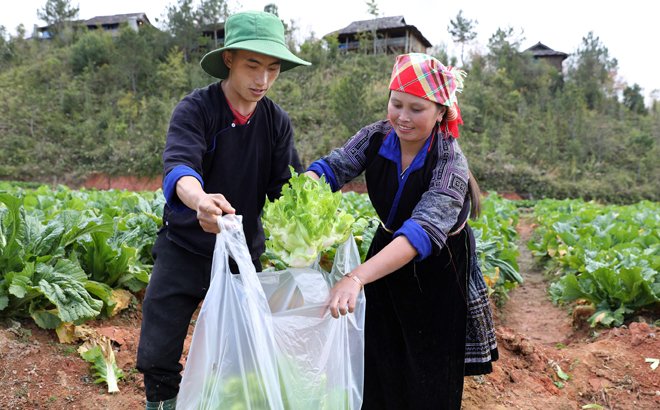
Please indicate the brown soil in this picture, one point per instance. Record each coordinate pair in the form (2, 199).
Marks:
(606, 367)
(131, 183)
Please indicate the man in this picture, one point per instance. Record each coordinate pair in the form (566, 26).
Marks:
(228, 147)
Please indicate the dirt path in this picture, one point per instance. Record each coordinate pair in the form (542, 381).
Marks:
(529, 310)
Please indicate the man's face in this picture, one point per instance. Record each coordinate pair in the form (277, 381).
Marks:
(251, 74)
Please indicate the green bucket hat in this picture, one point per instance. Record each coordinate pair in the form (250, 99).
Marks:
(256, 31)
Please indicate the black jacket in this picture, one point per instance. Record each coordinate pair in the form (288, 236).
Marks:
(245, 163)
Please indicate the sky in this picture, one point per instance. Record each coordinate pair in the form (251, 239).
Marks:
(628, 29)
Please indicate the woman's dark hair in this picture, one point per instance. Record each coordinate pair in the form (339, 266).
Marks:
(475, 196)
(473, 187)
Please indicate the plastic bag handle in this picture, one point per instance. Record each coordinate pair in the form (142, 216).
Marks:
(232, 240)
(228, 222)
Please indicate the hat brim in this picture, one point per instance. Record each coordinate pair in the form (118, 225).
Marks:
(214, 64)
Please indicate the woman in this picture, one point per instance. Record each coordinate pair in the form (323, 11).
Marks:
(416, 273)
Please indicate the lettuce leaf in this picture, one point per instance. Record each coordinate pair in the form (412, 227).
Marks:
(304, 221)
(98, 351)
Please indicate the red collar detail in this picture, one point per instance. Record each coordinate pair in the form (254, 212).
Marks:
(239, 118)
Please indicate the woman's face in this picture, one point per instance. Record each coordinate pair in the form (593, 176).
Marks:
(412, 117)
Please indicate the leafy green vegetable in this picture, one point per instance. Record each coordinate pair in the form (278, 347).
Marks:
(561, 374)
(304, 221)
(65, 254)
(99, 353)
(248, 392)
(367, 221)
(497, 244)
(608, 255)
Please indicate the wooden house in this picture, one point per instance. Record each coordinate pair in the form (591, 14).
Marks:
(542, 52)
(215, 33)
(111, 24)
(393, 36)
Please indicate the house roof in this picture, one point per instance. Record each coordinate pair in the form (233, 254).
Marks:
(115, 19)
(541, 50)
(382, 23)
(103, 20)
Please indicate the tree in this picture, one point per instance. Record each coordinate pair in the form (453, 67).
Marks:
(5, 48)
(290, 33)
(93, 50)
(57, 14)
(655, 101)
(528, 76)
(372, 8)
(212, 13)
(135, 58)
(593, 71)
(462, 30)
(272, 9)
(171, 77)
(439, 51)
(181, 22)
(504, 45)
(633, 99)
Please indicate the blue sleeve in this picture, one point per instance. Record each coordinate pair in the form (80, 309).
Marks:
(321, 168)
(169, 185)
(417, 237)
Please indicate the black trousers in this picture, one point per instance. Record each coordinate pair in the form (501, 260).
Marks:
(178, 283)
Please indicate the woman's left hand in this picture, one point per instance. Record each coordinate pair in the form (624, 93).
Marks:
(343, 296)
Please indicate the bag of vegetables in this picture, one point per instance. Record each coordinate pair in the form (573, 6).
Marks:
(267, 341)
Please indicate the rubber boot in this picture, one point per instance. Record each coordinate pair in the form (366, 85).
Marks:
(162, 405)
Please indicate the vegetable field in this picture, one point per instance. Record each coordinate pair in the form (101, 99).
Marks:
(607, 256)
(70, 256)
(74, 265)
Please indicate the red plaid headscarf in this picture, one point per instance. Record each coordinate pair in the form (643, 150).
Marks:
(424, 76)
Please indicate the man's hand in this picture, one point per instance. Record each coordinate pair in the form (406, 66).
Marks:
(209, 208)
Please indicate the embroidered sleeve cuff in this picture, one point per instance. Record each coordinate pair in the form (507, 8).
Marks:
(169, 185)
(417, 237)
(321, 168)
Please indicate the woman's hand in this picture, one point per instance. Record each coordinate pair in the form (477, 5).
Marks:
(209, 208)
(312, 175)
(343, 295)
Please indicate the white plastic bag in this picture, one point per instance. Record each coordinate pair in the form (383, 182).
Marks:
(266, 341)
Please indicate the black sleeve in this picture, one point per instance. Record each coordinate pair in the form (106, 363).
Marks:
(295, 160)
(186, 142)
(283, 154)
